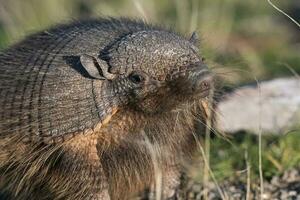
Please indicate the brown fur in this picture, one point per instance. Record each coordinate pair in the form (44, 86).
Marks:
(52, 167)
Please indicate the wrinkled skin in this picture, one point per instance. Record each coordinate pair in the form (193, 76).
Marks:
(95, 109)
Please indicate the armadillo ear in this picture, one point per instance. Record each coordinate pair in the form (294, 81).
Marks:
(91, 66)
(96, 67)
(194, 38)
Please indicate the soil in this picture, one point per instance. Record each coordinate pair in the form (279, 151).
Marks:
(284, 187)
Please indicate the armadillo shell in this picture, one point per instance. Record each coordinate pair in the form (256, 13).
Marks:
(44, 93)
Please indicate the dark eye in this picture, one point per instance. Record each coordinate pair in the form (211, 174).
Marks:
(136, 78)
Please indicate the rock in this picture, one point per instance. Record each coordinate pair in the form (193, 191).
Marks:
(273, 107)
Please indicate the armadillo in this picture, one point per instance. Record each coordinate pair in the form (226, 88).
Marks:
(99, 109)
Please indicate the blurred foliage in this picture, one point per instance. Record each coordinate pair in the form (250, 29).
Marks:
(241, 40)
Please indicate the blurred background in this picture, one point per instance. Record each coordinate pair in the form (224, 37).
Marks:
(249, 36)
(243, 40)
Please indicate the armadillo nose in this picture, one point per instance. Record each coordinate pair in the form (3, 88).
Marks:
(203, 83)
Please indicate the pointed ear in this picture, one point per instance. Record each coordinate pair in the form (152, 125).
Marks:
(194, 39)
(89, 63)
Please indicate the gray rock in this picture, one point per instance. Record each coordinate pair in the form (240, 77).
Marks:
(271, 107)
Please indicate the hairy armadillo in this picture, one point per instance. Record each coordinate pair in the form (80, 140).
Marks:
(97, 109)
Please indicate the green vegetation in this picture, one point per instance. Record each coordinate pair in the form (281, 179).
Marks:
(228, 157)
(241, 40)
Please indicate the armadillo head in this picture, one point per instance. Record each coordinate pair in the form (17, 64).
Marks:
(155, 71)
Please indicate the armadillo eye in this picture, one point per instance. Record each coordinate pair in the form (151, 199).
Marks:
(136, 78)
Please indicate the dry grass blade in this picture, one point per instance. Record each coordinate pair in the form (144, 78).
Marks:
(285, 14)
(206, 153)
(260, 144)
(222, 193)
(140, 9)
(248, 192)
(207, 143)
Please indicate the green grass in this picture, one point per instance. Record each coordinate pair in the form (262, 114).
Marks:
(279, 153)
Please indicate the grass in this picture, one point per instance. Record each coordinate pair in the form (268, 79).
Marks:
(227, 158)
